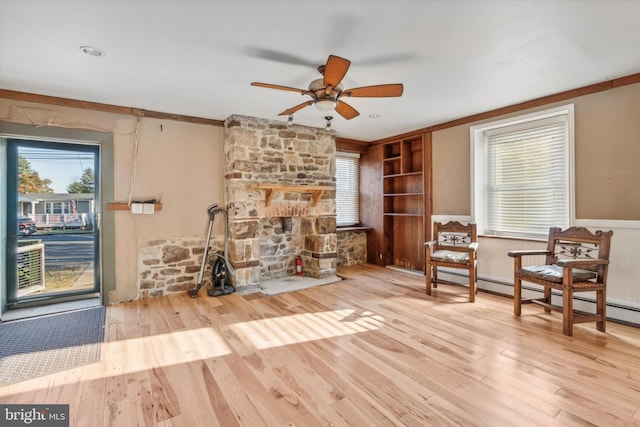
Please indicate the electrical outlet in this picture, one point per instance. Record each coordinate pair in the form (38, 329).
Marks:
(148, 208)
(136, 208)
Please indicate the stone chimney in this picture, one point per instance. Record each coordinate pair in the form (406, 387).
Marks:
(280, 196)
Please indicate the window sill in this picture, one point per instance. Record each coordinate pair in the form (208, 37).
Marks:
(520, 239)
(352, 228)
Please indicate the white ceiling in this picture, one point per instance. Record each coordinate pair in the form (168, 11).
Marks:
(198, 58)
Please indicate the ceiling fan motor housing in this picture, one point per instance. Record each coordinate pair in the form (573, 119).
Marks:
(324, 101)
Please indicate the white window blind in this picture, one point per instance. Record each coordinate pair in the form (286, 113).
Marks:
(347, 189)
(528, 177)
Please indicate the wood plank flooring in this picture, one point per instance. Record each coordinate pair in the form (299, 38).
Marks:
(372, 350)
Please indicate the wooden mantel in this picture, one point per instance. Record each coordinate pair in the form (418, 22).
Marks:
(315, 190)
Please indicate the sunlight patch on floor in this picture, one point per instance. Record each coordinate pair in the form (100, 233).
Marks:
(127, 356)
(297, 328)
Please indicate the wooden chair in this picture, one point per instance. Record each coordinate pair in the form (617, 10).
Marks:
(454, 245)
(576, 261)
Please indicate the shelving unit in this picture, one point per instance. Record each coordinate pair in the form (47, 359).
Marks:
(403, 203)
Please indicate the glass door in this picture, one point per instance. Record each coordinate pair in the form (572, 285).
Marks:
(53, 222)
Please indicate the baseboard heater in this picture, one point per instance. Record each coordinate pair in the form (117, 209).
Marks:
(618, 312)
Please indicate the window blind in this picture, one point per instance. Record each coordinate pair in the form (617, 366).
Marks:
(347, 189)
(527, 178)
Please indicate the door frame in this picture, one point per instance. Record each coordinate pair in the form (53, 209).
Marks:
(13, 149)
(107, 218)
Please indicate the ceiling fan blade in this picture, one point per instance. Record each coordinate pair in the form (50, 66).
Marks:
(277, 56)
(377, 91)
(335, 70)
(388, 59)
(296, 108)
(346, 110)
(270, 86)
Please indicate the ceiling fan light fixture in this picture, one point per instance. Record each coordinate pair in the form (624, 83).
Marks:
(324, 101)
(326, 104)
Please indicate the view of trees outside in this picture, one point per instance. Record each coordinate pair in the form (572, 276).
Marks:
(84, 184)
(29, 180)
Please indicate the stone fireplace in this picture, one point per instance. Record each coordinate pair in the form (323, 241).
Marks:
(280, 196)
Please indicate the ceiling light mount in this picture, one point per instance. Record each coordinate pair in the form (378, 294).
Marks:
(92, 51)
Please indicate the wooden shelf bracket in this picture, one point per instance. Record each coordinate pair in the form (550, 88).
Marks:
(316, 191)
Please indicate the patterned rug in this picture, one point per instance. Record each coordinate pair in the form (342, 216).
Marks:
(44, 345)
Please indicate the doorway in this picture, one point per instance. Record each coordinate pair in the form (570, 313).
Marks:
(105, 218)
(53, 246)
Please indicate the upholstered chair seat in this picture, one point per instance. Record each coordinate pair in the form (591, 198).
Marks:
(553, 273)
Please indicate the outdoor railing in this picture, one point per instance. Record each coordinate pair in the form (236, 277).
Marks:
(77, 220)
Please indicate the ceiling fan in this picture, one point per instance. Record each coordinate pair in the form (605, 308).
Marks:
(327, 92)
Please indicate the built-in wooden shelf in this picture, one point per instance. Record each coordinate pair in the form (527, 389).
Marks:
(123, 206)
(400, 175)
(402, 214)
(315, 190)
(403, 203)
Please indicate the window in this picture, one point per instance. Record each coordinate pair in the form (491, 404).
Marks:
(523, 174)
(347, 189)
(57, 207)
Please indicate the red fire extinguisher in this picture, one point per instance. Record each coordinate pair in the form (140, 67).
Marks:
(298, 266)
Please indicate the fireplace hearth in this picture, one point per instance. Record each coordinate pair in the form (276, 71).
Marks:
(294, 283)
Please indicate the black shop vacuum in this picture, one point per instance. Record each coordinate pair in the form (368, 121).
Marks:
(221, 283)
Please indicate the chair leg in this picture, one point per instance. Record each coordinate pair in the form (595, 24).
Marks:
(476, 277)
(601, 309)
(435, 276)
(567, 311)
(428, 274)
(517, 296)
(547, 298)
(472, 284)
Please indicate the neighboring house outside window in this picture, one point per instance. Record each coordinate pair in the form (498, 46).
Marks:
(57, 207)
(523, 180)
(347, 189)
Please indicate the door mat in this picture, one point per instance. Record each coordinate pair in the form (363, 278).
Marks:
(44, 345)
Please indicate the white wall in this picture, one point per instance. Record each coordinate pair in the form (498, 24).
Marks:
(178, 163)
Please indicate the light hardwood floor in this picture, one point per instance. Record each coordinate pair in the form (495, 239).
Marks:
(372, 350)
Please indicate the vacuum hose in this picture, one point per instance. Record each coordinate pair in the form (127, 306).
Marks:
(213, 210)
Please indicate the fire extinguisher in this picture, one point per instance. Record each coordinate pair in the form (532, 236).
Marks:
(298, 266)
